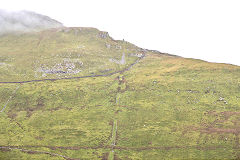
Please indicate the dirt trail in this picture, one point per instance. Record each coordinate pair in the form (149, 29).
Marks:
(113, 139)
(37, 152)
(121, 147)
(121, 83)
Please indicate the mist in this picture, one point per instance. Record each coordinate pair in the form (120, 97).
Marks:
(25, 21)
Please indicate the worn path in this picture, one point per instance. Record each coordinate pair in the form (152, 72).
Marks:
(36, 152)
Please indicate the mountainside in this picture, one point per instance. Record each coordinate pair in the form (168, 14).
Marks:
(76, 93)
(25, 21)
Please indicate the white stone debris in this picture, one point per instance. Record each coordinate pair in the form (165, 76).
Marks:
(136, 55)
(80, 46)
(103, 35)
(67, 66)
(108, 46)
(122, 61)
(118, 47)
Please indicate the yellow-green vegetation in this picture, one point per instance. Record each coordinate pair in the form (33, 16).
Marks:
(162, 107)
(61, 53)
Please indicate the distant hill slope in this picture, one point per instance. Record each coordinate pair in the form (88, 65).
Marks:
(63, 53)
(131, 103)
(25, 21)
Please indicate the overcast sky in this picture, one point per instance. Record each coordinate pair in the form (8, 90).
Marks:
(203, 29)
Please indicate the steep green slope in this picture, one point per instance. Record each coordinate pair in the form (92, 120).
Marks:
(157, 107)
(64, 52)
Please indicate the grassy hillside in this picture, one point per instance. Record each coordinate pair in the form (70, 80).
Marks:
(161, 107)
(59, 53)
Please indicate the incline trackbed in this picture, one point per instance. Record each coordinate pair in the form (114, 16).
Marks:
(101, 75)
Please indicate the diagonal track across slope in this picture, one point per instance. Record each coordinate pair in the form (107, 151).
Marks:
(14, 92)
(89, 76)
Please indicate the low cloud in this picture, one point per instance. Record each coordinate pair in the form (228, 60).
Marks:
(25, 21)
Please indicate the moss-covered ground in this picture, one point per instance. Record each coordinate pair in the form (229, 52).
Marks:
(164, 107)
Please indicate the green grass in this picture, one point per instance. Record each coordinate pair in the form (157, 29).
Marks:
(165, 107)
(111, 155)
(23, 57)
